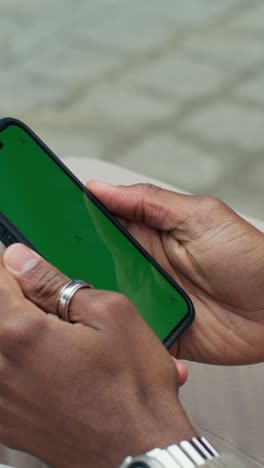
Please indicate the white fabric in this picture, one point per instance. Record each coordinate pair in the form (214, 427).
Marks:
(224, 403)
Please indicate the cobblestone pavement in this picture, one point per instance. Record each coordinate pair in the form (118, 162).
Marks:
(170, 88)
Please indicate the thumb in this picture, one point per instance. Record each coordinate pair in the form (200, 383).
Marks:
(39, 281)
(156, 207)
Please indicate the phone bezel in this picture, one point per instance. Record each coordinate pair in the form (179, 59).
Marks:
(17, 236)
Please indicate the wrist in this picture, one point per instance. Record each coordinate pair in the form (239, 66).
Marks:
(162, 429)
(155, 426)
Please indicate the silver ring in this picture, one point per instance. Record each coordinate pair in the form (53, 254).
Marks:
(66, 294)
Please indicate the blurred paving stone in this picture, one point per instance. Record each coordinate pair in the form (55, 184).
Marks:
(118, 108)
(142, 25)
(173, 161)
(49, 78)
(245, 191)
(224, 50)
(71, 62)
(227, 123)
(253, 90)
(177, 76)
(250, 21)
(26, 93)
(114, 77)
(30, 27)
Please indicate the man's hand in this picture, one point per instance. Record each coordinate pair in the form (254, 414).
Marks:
(216, 256)
(82, 394)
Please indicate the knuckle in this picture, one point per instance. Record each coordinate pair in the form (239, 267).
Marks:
(117, 300)
(147, 192)
(148, 187)
(213, 203)
(116, 304)
(23, 331)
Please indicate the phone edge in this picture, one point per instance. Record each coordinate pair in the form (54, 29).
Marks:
(18, 236)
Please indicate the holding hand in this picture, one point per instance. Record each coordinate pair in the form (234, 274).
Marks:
(215, 255)
(83, 393)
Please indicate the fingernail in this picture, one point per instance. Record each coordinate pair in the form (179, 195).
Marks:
(20, 259)
(100, 182)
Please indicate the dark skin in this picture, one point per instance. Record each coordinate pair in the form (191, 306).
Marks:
(60, 383)
(88, 392)
(216, 256)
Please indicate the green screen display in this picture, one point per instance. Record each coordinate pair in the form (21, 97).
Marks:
(71, 232)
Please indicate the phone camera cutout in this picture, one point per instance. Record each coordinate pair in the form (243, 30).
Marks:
(1, 145)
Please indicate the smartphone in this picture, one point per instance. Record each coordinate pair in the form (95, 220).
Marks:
(43, 205)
